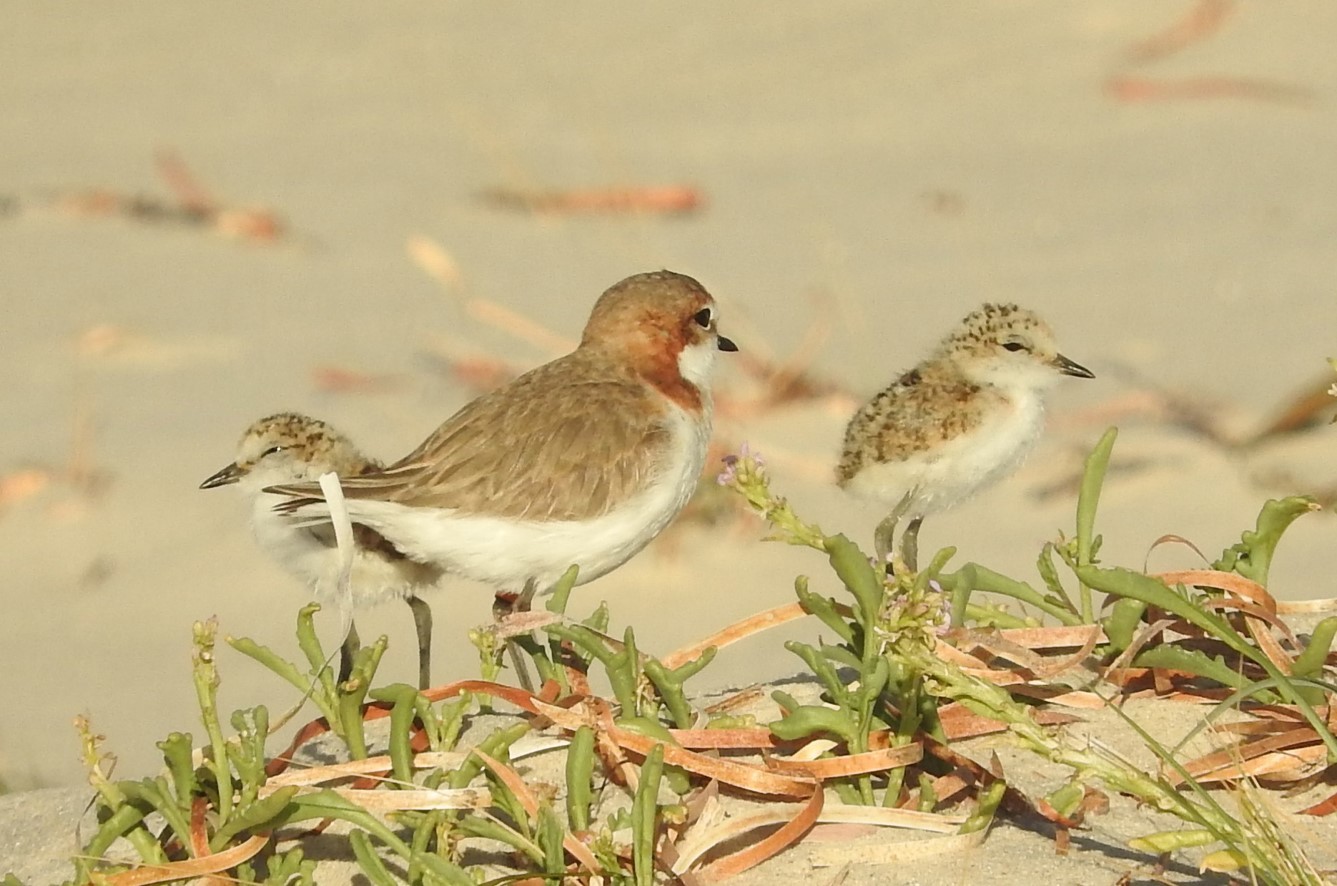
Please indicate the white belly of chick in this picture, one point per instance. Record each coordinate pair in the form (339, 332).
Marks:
(955, 469)
(373, 578)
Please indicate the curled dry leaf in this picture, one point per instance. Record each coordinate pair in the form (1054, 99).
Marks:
(1289, 755)
(195, 867)
(337, 380)
(652, 199)
(1202, 20)
(1131, 89)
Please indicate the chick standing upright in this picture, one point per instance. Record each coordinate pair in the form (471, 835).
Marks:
(954, 424)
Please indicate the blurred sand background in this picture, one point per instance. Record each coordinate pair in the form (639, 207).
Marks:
(867, 171)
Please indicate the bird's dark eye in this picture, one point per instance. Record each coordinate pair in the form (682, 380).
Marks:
(1014, 346)
(271, 451)
(703, 318)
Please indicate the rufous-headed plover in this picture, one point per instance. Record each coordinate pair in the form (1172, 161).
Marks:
(955, 423)
(291, 448)
(580, 461)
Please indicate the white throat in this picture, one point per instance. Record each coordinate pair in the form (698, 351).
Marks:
(697, 363)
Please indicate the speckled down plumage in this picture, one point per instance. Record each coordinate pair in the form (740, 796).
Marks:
(959, 420)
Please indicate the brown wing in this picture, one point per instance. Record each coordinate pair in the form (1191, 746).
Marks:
(569, 440)
(907, 418)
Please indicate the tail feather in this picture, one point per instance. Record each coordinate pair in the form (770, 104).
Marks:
(303, 494)
(293, 505)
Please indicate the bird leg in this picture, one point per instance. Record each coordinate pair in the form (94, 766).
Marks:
(882, 536)
(349, 649)
(910, 544)
(422, 620)
(527, 595)
(506, 604)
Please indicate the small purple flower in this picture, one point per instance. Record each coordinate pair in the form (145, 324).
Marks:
(745, 451)
(751, 464)
(730, 472)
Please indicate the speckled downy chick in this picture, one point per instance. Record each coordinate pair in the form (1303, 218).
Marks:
(957, 422)
(289, 448)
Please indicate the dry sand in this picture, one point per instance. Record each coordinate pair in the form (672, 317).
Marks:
(881, 171)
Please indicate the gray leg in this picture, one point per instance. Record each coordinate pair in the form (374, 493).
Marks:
(526, 598)
(422, 619)
(882, 539)
(882, 536)
(349, 648)
(910, 544)
(501, 607)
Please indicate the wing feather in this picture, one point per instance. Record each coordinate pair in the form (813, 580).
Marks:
(541, 448)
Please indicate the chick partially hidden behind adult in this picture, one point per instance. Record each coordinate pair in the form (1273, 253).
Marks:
(292, 448)
(957, 422)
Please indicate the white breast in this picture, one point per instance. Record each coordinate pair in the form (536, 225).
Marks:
(373, 579)
(956, 469)
(505, 553)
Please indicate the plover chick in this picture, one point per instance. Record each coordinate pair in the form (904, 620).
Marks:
(289, 448)
(955, 423)
(580, 461)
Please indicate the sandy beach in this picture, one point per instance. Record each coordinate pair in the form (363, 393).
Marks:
(372, 189)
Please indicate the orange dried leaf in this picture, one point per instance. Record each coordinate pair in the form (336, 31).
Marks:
(334, 379)
(1256, 757)
(1323, 807)
(634, 199)
(739, 630)
(1203, 20)
(768, 847)
(1126, 88)
(195, 867)
(853, 764)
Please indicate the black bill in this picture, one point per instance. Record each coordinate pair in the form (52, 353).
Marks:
(1068, 367)
(229, 474)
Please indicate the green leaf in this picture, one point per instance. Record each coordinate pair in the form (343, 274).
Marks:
(644, 818)
(1122, 623)
(579, 771)
(1251, 557)
(1310, 662)
(1066, 799)
(1044, 564)
(550, 833)
(824, 608)
(1194, 661)
(857, 574)
(404, 699)
(561, 591)
(368, 860)
(974, 577)
(1172, 841)
(806, 720)
(1088, 499)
